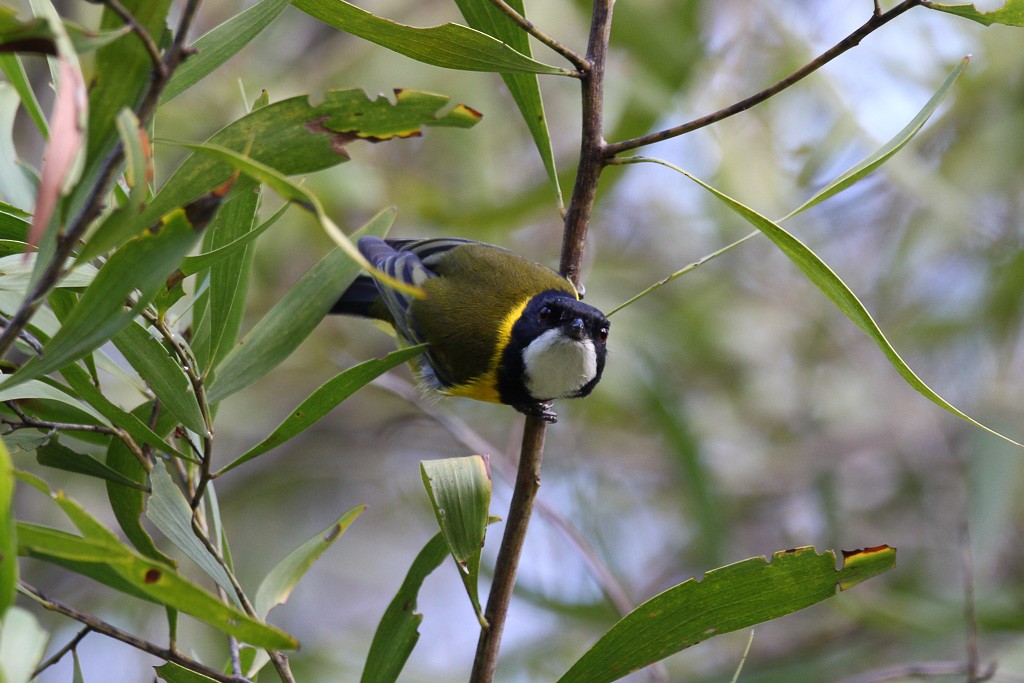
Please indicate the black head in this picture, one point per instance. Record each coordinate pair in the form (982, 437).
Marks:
(557, 349)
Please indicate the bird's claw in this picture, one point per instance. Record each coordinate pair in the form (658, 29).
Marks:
(541, 410)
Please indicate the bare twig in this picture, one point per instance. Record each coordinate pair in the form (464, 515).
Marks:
(59, 654)
(877, 20)
(507, 564)
(592, 144)
(98, 625)
(147, 40)
(578, 61)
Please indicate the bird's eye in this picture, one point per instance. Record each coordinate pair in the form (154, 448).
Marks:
(602, 334)
(543, 314)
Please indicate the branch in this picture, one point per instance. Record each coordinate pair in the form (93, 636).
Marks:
(581, 64)
(877, 20)
(111, 631)
(59, 654)
(147, 40)
(507, 564)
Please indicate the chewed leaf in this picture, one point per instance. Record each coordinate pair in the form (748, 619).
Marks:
(733, 597)
(823, 277)
(1010, 14)
(452, 46)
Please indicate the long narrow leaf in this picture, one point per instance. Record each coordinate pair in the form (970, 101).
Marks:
(524, 87)
(57, 455)
(292, 318)
(278, 584)
(222, 43)
(8, 538)
(818, 272)
(398, 631)
(726, 599)
(324, 399)
(170, 512)
(1011, 13)
(451, 46)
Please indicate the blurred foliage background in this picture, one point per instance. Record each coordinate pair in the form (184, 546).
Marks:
(740, 412)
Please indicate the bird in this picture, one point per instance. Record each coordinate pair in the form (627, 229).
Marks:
(498, 327)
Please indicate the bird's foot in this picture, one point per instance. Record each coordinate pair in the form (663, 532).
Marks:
(539, 409)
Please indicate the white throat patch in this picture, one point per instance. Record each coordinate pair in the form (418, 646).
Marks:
(558, 366)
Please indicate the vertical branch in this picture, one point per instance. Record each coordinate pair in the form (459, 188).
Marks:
(507, 564)
(577, 219)
(592, 144)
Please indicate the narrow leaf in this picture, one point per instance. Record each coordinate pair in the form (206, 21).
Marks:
(59, 456)
(222, 43)
(398, 630)
(483, 16)
(127, 502)
(8, 539)
(733, 597)
(292, 318)
(325, 399)
(142, 265)
(36, 389)
(170, 512)
(122, 569)
(451, 46)
(17, 180)
(1010, 14)
(277, 586)
(160, 370)
(855, 173)
(14, 70)
(174, 673)
(460, 493)
(818, 272)
(193, 264)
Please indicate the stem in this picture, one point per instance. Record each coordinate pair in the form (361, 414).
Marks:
(111, 631)
(527, 483)
(592, 145)
(581, 64)
(877, 20)
(59, 654)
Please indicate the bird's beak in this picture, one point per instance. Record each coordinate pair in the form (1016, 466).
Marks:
(575, 329)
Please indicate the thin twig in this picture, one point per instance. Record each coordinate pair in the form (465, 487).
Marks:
(147, 40)
(592, 144)
(877, 20)
(915, 670)
(507, 564)
(98, 625)
(578, 61)
(59, 654)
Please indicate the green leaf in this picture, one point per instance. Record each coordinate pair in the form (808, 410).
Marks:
(451, 46)
(193, 264)
(228, 284)
(1011, 13)
(483, 16)
(161, 371)
(127, 502)
(8, 539)
(294, 136)
(398, 631)
(173, 673)
(220, 44)
(142, 264)
(16, 271)
(733, 597)
(117, 566)
(292, 318)
(325, 399)
(818, 272)
(80, 381)
(22, 645)
(171, 514)
(866, 166)
(36, 389)
(57, 455)
(24, 440)
(277, 586)
(460, 493)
